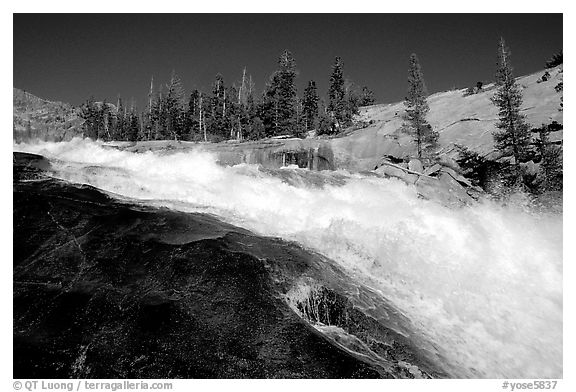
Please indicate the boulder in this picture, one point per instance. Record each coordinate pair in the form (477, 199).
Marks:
(387, 170)
(447, 161)
(433, 169)
(456, 176)
(416, 165)
(444, 189)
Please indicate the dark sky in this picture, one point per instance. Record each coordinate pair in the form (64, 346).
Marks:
(68, 57)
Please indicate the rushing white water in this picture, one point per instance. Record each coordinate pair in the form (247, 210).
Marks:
(483, 283)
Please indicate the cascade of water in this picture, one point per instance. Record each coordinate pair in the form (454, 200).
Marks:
(483, 282)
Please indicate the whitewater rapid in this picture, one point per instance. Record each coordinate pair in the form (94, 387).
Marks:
(483, 283)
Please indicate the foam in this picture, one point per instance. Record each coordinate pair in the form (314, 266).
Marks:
(484, 283)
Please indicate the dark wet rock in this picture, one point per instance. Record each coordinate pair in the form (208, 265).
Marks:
(106, 289)
(336, 315)
(28, 167)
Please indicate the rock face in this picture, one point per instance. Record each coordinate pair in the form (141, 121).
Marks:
(108, 289)
(36, 118)
(311, 154)
(459, 119)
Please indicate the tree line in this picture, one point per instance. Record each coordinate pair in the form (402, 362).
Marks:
(231, 112)
(236, 112)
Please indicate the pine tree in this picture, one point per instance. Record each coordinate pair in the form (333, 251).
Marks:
(299, 129)
(366, 97)
(156, 117)
(146, 120)
(120, 126)
(268, 110)
(556, 60)
(287, 99)
(310, 105)
(513, 136)
(104, 122)
(240, 122)
(175, 90)
(278, 108)
(336, 94)
(143, 129)
(193, 115)
(216, 116)
(132, 126)
(233, 113)
(417, 108)
(255, 126)
(175, 102)
(324, 123)
(89, 112)
(550, 158)
(352, 102)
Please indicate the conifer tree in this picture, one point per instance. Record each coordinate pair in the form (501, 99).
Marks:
(132, 126)
(193, 115)
(233, 113)
(255, 126)
(143, 128)
(310, 105)
(417, 108)
(324, 123)
(216, 117)
(269, 110)
(174, 107)
(156, 116)
(513, 136)
(556, 60)
(175, 90)
(366, 97)
(104, 118)
(89, 112)
(336, 93)
(278, 108)
(287, 99)
(352, 102)
(147, 118)
(550, 158)
(120, 126)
